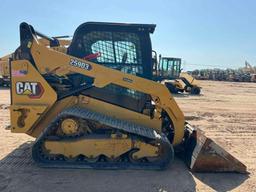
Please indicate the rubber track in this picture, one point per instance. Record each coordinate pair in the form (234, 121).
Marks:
(132, 128)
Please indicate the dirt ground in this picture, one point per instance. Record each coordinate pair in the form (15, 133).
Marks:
(225, 111)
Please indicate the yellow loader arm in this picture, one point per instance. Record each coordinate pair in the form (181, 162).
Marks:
(189, 78)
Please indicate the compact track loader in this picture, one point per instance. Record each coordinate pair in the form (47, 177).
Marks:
(91, 105)
(167, 70)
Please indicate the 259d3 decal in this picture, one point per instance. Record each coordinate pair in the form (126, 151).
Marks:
(31, 89)
(80, 64)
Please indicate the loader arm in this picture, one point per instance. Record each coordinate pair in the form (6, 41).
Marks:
(65, 64)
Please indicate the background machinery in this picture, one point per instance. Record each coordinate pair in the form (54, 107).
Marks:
(4, 71)
(92, 105)
(63, 42)
(243, 74)
(250, 70)
(167, 70)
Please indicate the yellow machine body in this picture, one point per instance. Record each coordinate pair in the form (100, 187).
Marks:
(81, 130)
(30, 99)
(43, 57)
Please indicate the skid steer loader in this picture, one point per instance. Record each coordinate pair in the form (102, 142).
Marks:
(167, 70)
(91, 105)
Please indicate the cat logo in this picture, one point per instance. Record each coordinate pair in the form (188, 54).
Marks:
(31, 89)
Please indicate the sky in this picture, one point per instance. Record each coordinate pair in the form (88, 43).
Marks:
(204, 33)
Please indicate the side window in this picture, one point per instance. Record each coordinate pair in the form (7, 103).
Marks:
(115, 52)
(118, 50)
(125, 52)
(170, 67)
(106, 51)
(176, 68)
(164, 64)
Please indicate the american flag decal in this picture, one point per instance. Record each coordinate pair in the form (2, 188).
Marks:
(18, 73)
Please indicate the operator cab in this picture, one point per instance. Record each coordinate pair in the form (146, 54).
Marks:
(165, 67)
(170, 67)
(125, 47)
